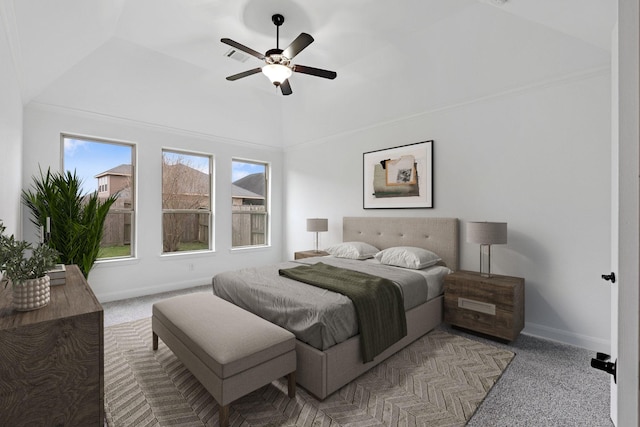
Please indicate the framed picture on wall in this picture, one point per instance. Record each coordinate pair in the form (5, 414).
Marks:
(398, 177)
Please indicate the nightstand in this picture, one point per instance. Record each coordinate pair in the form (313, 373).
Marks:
(489, 305)
(309, 254)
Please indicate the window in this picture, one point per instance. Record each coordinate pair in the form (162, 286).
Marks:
(249, 203)
(186, 201)
(102, 184)
(108, 168)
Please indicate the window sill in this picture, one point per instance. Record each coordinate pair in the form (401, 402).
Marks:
(241, 249)
(187, 254)
(115, 262)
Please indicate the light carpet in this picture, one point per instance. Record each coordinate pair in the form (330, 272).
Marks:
(439, 380)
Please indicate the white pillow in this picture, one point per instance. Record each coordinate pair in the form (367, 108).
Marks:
(408, 257)
(352, 250)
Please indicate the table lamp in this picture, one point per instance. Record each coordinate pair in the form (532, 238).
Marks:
(486, 234)
(317, 225)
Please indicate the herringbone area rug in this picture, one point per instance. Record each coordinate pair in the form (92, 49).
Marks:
(439, 380)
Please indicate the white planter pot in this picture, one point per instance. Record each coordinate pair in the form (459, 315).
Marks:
(31, 294)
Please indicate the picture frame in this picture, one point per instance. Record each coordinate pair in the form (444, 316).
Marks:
(398, 177)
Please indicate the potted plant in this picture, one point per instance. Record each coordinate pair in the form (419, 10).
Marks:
(25, 268)
(76, 219)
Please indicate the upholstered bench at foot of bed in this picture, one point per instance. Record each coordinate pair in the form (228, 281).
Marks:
(230, 351)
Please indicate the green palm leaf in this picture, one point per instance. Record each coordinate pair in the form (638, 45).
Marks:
(77, 219)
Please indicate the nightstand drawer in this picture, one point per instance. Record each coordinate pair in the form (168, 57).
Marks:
(308, 254)
(500, 324)
(489, 305)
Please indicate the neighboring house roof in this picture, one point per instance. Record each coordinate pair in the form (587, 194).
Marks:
(122, 170)
(254, 183)
(243, 193)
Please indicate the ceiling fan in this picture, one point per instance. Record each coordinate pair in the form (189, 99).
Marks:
(278, 67)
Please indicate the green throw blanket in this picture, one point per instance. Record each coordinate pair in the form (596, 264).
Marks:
(378, 303)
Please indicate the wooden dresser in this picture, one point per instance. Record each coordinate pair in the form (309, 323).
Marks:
(489, 305)
(52, 359)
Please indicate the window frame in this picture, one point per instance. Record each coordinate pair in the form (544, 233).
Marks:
(267, 204)
(132, 211)
(211, 211)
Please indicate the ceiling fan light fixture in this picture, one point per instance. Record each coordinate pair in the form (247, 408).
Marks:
(277, 73)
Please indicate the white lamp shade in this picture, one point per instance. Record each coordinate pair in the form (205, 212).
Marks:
(277, 73)
(317, 224)
(487, 233)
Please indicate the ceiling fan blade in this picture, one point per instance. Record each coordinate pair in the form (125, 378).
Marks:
(315, 71)
(285, 87)
(296, 46)
(243, 48)
(244, 74)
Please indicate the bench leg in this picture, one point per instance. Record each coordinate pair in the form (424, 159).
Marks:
(223, 416)
(292, 384)
(155, 341)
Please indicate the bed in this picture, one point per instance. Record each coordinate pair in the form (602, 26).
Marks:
(322, 368)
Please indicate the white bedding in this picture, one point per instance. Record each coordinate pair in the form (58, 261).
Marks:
(316, 316)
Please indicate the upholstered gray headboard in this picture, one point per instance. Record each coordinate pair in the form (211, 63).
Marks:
(439, 235)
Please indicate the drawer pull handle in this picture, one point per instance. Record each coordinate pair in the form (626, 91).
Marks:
(479, 306)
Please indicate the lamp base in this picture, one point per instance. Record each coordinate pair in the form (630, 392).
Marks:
(485, 260)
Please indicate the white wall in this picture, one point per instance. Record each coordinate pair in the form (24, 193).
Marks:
(123, 80)
(460, 57)
(537, 158)
(151, 272)
(10, 139)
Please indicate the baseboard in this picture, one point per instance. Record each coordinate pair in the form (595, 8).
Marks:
(151, 290)
(567, 337)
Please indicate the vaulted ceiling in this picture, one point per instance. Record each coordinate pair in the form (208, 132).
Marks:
(161, 61)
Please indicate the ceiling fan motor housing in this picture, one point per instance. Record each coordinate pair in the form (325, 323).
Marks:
(275, 56)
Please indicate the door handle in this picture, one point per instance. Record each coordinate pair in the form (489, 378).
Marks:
(611, 277)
